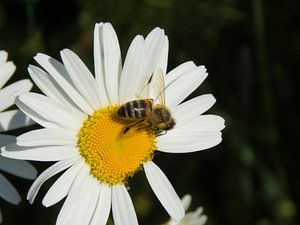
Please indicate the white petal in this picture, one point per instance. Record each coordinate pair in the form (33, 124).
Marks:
(99, 63)
(13, 119)
(112, 62)
(46, 136)
(19, 168)
(188, 110)
(155, 50)
(6, 71)
(7, 94)
(6, 139)
(183, 86)
(81, 77)
(195, 218)
(199, 124)
(122, 207)
(164, 190)
(163, 59)
(51, 89)
(197, 212)
(62, 185)
(202, 220)
(102, 211)
(50, 110)
(188, 142)
(43, 153)
(3, 57)
(60, 75)
(44, 176)
(35, 116)
(8, 192)
(87, 199)
(67, 211)
(81, 201)
(133, 71)
(186, 201)
(179, 71)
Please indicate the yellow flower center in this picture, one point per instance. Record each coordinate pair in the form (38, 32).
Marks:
(112, 155)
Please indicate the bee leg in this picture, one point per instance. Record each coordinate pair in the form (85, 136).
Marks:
(147, 126)
(125, 130)
(160, 133)
(131, 125)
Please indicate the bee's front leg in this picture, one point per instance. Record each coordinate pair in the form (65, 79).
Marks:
(159, 133)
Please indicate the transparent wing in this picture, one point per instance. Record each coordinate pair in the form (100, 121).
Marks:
(157, 86)
(143, 91)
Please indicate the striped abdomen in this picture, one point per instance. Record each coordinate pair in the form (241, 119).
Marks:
(136, 109)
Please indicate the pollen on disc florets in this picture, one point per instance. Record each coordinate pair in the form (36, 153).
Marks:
(111, 155)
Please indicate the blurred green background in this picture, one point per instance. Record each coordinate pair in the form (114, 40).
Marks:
(251, 50)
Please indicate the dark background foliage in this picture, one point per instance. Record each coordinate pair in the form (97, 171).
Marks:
(251, 50)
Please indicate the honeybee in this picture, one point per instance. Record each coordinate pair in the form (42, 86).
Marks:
(144, 113)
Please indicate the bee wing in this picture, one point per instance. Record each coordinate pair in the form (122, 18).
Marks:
(143, 92)
(157, 86)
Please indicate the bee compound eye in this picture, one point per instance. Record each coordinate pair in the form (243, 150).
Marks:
(166, 115)
(156, 111)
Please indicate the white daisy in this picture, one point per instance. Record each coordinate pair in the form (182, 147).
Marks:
(191, 218)
(9, 120)
(82, 132)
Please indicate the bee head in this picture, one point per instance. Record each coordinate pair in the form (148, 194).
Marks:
(166, 122)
